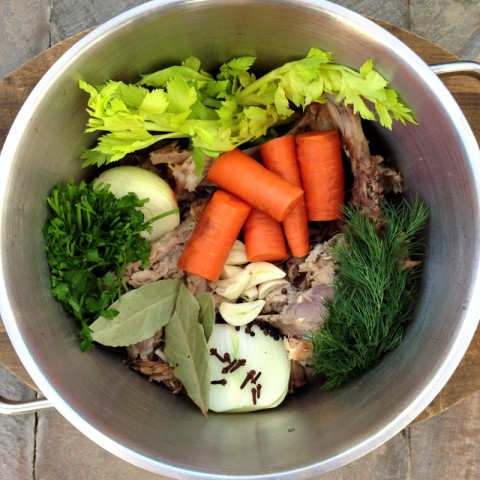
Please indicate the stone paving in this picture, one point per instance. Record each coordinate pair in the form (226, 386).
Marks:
(45, 446)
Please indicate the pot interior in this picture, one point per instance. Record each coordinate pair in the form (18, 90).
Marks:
(313, 431)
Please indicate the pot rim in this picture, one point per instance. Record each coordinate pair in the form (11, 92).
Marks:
(430, 390)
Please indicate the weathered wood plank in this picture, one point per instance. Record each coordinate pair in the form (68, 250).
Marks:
(17, 439)
(72, 16)
(15, 87)
(67, 454)
(9, 360)
(394, 12)
(24, 31)
(439, 21)
(389, 461)
(447, 447)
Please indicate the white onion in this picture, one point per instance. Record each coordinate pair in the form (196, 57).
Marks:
(145, 184)
(238, 314)
(263, 354)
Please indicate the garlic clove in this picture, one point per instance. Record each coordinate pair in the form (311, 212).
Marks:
(231, 288)
(238, 314)
(237, 255)
(267, 287)
(263, 272)
(250, 294)
(248, 370)
(229, 271)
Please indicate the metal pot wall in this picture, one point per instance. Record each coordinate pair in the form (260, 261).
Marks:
(313, 431)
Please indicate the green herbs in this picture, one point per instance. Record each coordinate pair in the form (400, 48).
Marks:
(188, 323)
(141, 313)
(186, 345)
(218, 114)
(91, 237)
(161, 208)
(375, 289)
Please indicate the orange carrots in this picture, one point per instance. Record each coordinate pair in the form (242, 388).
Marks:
(244, 177)
(263, 236)
(321, 170)
(279, 156)
(212, 239)
(258, 198)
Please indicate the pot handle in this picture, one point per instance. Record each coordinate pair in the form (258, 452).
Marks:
(469, 68)
(12, 407)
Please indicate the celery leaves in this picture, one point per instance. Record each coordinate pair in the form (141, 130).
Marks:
(219, 113)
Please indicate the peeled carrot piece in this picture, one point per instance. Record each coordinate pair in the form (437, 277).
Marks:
(263, 236)
(280, 156)
(213, 237)
(321, 170)
(246, 178)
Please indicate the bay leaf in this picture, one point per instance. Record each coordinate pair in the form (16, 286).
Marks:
(141, 313)
(186, 348)
(207, 313)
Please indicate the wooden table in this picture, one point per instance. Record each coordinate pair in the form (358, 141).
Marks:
(15, 88)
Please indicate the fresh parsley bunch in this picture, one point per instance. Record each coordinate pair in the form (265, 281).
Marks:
(219, 113)
(90, 237)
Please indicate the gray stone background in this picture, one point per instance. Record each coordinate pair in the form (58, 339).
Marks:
(44, 446)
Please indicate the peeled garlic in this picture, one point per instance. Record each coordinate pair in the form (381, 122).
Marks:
(253, 376)
(263, 272)
(238, 314)
(250, 294)
(231, 288)
(267, 287)
(230, 270)
(237, 255)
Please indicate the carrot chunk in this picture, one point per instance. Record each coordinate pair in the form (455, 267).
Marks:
(213, 237)
(280, 156)
(246, 178)
(264, 239)
(321, 170)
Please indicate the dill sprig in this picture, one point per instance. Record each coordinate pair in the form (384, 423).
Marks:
(375, 288)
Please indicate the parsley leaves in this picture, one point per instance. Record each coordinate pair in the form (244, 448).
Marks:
(90, 237)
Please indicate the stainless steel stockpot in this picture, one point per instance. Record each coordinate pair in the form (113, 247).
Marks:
(313, 431)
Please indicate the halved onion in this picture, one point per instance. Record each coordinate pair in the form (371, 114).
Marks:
(145, 184)
(255, 373)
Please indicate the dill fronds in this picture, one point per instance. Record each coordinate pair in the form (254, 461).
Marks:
(375, 289)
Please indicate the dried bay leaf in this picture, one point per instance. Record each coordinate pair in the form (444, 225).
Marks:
(142, 312)
(186, 348)
(207, 313)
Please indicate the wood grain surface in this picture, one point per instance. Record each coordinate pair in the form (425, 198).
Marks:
(15, 88)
